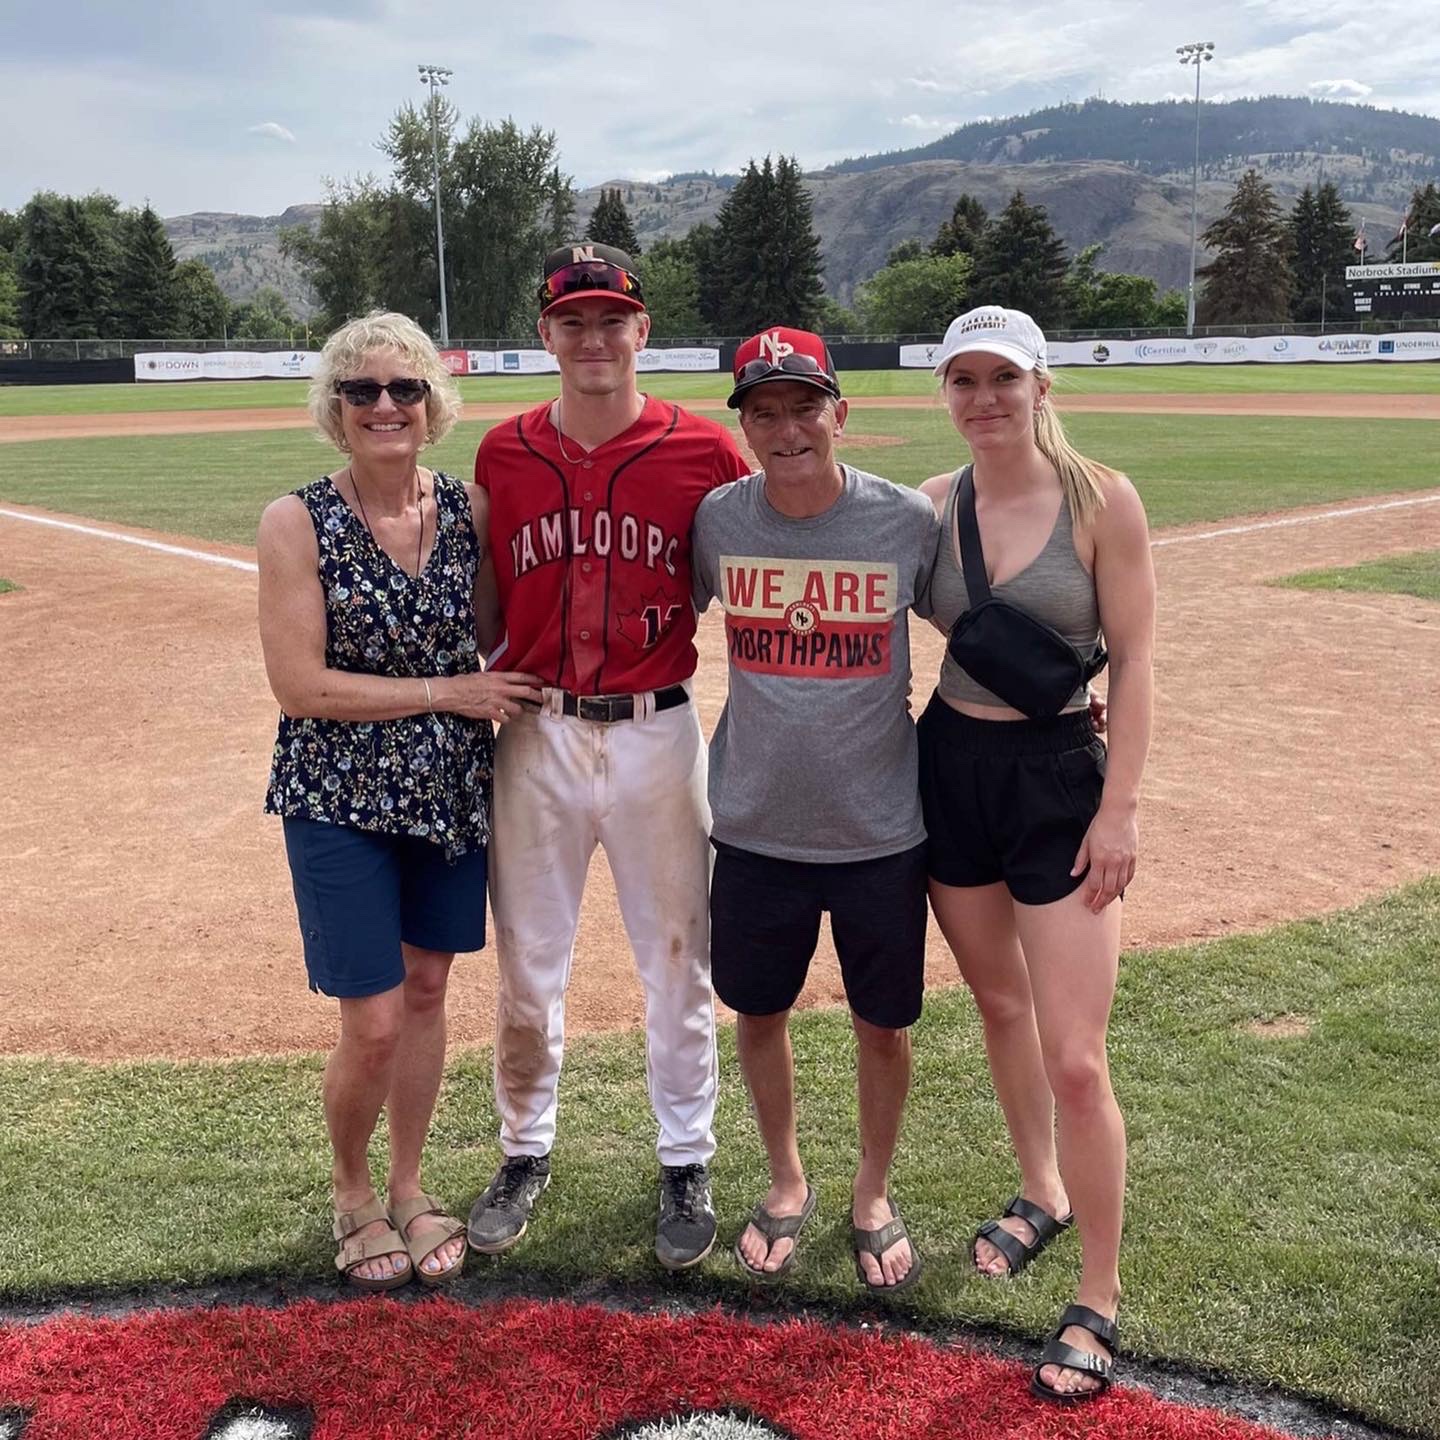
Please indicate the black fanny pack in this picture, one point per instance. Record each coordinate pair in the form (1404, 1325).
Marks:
(1027, 664)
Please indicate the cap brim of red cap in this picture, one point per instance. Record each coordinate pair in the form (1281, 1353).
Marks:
(612, 295)
(827, 383)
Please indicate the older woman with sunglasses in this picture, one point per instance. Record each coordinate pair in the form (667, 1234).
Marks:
(377, 598)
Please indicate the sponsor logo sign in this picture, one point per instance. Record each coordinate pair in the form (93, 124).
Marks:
(457, 362)
(1346, 345)
(1101, 354)
(1162, 350)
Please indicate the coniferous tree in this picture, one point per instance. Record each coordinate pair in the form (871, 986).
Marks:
(1021, 263)
(610, 223)
(1421, 217)
(709, 283)
(68, 256)
(145, 292)
(1322, 234)
(1248, 282)
(766, 252)
(960, 234)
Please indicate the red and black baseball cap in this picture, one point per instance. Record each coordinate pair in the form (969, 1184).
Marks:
(779, 353)
(584, 270)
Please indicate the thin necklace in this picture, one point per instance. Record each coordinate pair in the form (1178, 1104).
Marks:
(560, 437)
(419, 505)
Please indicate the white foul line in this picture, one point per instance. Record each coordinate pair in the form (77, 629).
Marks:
(1293, 520)
(160, 545)
(251, 567)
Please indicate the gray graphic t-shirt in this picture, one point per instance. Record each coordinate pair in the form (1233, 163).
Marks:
(814, 758)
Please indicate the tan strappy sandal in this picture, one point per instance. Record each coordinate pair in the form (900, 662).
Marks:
(356, 1249)
(424, 1227)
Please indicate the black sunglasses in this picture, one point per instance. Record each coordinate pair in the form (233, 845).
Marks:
(367, 392)
(758, 369)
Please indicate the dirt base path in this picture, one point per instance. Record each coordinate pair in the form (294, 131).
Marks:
(290, 417)
(146, 907)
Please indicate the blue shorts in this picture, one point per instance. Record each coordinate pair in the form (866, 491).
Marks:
(361, 893)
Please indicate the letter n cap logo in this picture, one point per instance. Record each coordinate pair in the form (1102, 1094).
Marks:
(580, 253)
(773, 348)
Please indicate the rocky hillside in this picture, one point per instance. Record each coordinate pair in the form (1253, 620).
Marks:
(1105, 172)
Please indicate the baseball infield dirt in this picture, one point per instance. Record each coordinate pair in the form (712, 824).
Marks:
(146, 906)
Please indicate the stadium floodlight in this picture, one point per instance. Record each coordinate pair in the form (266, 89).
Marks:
(1195, 55)
(433, 76)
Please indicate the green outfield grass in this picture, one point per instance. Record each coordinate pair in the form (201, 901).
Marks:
(1417, 573)
(1187, 467)
(1284, 1195)
(1410, 378)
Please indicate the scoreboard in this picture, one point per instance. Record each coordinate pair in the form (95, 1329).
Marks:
(1391, 291)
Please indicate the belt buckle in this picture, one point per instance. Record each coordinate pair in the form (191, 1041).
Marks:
(599, 709)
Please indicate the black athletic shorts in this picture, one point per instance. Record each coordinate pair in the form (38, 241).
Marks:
(1008, 799)
(765, 923)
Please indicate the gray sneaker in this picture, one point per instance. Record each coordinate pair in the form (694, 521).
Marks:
(687, 1217)
(499, 1217)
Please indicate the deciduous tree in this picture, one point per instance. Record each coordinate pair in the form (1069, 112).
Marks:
(915, 296)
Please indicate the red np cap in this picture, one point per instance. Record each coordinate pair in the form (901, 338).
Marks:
(783, 354)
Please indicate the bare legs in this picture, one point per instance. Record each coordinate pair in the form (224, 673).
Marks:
(1043, 977)
(391, 1053)
(883, 1078)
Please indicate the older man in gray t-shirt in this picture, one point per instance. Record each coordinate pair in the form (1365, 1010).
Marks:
(813, 777)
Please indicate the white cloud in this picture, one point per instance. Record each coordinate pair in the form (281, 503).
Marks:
(928, 122)
(1340, 89)
(271, 131)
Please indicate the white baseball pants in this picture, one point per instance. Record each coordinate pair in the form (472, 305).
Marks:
(637, 787)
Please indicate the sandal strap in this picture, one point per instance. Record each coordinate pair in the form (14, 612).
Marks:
(1016, 1252)
(406, 1211)
(782, 1227)
(1104, 1329)
(1045, 1225)
(877, 1242)
(1056, 1352)
(347, 1222)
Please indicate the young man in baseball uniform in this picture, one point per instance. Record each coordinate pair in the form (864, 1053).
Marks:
(592, 497)
(813, 778)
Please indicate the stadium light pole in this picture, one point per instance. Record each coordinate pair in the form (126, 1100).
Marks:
(433, 76)
(1195, 55)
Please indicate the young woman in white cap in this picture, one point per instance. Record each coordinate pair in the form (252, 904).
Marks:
(1031, 819)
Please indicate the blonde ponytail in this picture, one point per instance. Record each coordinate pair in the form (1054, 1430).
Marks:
(1081, 479)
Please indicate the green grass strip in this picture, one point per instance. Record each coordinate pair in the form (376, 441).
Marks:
(6, 586)
(1284, 1193)
(1416, 573)
(1187, 467)
(1404, 377)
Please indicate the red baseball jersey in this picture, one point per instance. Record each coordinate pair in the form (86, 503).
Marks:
(592, 553)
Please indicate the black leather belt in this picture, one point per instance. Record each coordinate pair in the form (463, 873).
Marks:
(606, 709)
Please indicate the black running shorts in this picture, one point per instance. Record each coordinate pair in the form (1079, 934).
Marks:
(765, 923)
(1008, 800)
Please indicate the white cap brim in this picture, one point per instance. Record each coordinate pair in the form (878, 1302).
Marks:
(982, 346)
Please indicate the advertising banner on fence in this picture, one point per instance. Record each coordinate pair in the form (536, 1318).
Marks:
(1222, 350)
(226, 365)
(541, 362)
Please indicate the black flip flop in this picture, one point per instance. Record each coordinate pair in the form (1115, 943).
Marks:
(1016, 1252)
(877, 1242)
(1056, 1352)
(773, 1228)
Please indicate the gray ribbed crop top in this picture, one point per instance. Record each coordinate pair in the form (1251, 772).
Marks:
(1054, 587)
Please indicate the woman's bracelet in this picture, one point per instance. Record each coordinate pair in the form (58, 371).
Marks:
(429, 699)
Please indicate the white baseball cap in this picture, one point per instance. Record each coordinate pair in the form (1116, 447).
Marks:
(994, 330)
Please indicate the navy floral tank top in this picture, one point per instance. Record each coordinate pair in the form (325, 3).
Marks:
(423, 775)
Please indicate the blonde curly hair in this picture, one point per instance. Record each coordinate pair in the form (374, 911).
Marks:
(344, 356)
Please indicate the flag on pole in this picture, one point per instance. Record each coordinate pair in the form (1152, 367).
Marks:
(1435, 230)
(1360, 242)
(1404, 226)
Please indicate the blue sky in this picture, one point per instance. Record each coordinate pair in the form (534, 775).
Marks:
(247, 105)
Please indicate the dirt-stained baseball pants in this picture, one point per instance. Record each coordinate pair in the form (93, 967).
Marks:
(637, 787)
